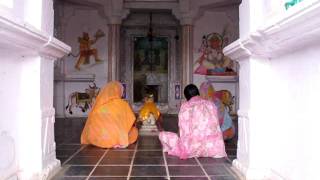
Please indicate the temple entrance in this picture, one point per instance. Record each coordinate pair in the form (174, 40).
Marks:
(151, 68)
(150, 64)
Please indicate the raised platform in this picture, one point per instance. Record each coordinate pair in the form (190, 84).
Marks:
(148, 130)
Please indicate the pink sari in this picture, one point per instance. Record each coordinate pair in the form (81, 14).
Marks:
(200, 134)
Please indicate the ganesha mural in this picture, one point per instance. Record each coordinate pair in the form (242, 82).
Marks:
(212, 60)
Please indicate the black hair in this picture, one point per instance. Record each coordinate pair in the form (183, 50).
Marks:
(190, 91)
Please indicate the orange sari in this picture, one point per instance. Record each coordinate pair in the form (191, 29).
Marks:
(110, 122)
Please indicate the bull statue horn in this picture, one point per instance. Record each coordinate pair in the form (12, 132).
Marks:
(94, 86)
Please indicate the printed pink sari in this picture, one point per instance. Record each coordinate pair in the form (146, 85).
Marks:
(200, 134)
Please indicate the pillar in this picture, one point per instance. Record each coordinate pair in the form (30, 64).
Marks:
(113, 51)
(187, 54)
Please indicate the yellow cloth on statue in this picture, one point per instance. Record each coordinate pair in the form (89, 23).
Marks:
(110, 122)
(147, 108)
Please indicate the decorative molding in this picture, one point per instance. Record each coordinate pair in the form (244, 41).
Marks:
(47, 112)
(75, 78)
(243, 114)
(219, 5)
(253, 174)
(117, 17)
(275, 176)
(237, 51)
(8, 151)
(8, 158)
(239, 167)
(51, 169)
(186, 17)
(223, 79)
(160, 20)
(290, 32)
(115, 11)
(139, 5)
(25, 39)
(259, 173)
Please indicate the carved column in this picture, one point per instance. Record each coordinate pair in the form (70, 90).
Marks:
(113, 51)
(115, 12)
(187, 54)
(27, 131)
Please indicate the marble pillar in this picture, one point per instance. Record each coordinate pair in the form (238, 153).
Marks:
(113, 52)
(187, 54)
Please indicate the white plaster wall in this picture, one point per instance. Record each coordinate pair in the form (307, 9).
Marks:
(244, 20)
(37, 13)
(243, 116)
(29, 123)
(294, 123)
(47, 16)
(48, 145)
(27, 148)
(255, 14)
(12, 8)
(255, 128)
(6, 3)
(33, 148)
(277, 116)
(278, 96)
(32, 13)
(10, 71)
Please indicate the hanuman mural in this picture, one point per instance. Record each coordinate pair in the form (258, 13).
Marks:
(85, 50)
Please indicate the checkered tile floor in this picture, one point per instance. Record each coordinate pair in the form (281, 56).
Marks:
(143, 160)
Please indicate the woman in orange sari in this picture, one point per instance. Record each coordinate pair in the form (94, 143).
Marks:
(111, 121)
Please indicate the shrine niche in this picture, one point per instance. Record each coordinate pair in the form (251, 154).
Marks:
(149, 59)
(150, 68)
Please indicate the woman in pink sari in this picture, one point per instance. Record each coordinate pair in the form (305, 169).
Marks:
(199, 130)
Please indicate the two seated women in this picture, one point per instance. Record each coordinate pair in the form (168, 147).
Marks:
(111, 125)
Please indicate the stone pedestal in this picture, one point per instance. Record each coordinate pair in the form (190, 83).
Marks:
(149, 127)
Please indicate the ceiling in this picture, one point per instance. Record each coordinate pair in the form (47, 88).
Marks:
(180, 8)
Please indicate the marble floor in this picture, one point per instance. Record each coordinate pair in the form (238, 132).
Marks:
(143, 160)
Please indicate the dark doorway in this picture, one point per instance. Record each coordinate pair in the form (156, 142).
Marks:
(154, 90)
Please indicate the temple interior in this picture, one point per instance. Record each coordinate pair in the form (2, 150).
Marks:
(258, 61)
